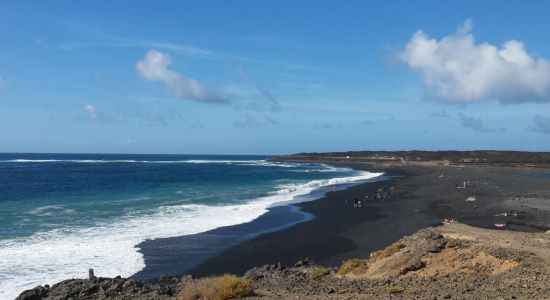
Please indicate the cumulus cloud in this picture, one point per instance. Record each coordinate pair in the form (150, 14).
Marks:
(541, 124)
(457, 69)
(473, 123)
(155, 67)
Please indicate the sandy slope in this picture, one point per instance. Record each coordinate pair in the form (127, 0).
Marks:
(455, 261)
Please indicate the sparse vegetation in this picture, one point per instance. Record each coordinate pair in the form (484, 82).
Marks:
(319, 272)
(351, 265)
(410, 291)
(217, 288)
(396, 289)
(389, 251)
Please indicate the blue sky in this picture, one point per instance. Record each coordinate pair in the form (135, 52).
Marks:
(273, 77)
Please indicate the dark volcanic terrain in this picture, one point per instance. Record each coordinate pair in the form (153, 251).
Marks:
(454, 261)
(496, 247)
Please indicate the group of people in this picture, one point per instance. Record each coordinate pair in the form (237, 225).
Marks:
(449, 221)
(466, 183)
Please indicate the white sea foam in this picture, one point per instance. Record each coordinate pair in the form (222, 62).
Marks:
(325, 169)
(221, 161)
(264, 163)
(110, 248)
(188, 161)
(50, 210)
(71, 160)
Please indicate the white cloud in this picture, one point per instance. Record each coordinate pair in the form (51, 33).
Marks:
(154, 67)
(91, 111)
(457, 69)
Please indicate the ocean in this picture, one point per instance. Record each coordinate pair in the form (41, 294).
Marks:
(61, 214)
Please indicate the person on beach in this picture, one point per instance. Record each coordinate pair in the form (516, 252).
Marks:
(355, 203)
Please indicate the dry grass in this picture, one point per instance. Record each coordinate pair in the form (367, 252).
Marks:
(217, 288)
(464, 261)
(389, 251)
(319, 272)
(395, 289)
(351, 265)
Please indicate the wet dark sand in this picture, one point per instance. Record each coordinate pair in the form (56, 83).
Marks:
(178, 255)
(339, 231)
(422, 197)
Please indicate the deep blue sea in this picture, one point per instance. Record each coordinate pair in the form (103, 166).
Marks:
(61, 214)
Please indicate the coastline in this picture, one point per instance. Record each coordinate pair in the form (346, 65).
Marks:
(176, 256)
(424, 196)
(324, 239)
(329, 230)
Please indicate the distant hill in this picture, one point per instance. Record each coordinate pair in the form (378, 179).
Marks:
(481, 157)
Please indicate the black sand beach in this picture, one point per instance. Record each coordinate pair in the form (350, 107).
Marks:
(472, 260)
(419, 197)
(178, 255)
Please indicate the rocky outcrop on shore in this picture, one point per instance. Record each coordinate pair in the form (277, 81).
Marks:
(454, 261)
(107, 288)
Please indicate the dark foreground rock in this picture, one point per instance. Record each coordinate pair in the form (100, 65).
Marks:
(106, 288)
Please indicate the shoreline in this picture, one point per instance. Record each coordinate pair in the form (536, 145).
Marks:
(424, 196)
(329, 230)
(320, 239)
(334, 231)
(176, 256)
